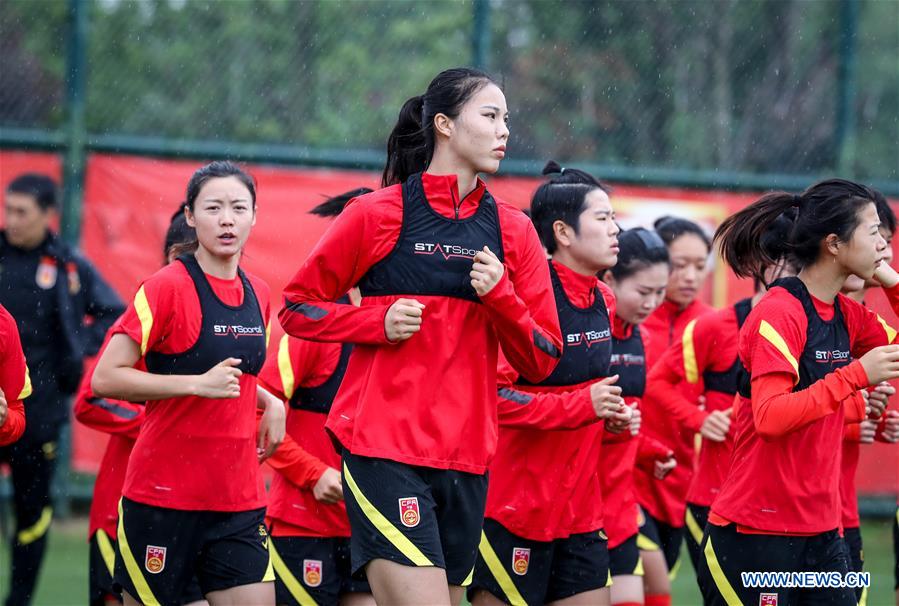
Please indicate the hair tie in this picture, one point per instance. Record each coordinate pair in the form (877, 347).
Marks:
(797, 200)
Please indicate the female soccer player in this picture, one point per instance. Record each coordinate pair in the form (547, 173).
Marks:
(15, 385)
(543, 540)
(663, 502)
(193, 500)
(638, 281)
(447, 273)
(306, 516)
(122, 421)
(779, 506)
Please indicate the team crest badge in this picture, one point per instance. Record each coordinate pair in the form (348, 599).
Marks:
(767, 599)
(74, 278)
(521, 559)
(312, 573)
(410, 516)
(155, 559)
(46, 273)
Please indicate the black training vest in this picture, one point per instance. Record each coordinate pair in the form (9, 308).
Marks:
(587, 339)
(320, 397)
(433, 254)
(728, 381)
(827, 344)
(629, 363)
(225, 331)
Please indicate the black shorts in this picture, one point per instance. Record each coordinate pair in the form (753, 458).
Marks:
(160, 550)
(727, 553)
(656, 535)
(521, 571)
(624, 559)
(313, 570)
(852, 537)
(102, 568)
(415, 516)
(696, 518)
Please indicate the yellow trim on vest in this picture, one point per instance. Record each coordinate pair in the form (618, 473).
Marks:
(724, 588)
(644, 543)
(145, 315)
(285, 368)
(293, 585)
(499, 573)
(691, 368)
(693, 527)
(107, 551)
(891, 332)
(38, 529)
(144, 593)
(26, 388)
(773, 337)
(390, 532)
(268, 334)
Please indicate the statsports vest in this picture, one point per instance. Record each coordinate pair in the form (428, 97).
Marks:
(629, 363)
(587, 339)
(320, 397)
(226, 331)
(433, 254)
(728, 381)
(827, 344)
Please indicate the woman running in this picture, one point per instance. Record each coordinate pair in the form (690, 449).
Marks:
(122, 421)
(447, 274)
(15, 385)
(543, 540)
(638, 281)
(193, 500)
(663, 502)
(779, 507)
(306, 516)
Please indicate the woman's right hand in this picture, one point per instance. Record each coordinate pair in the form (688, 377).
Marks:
(716, 425)
(328, 489)
(881, 364)
(221, 381)
(403, 319)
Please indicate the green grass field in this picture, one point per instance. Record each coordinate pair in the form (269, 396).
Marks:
(63, 581)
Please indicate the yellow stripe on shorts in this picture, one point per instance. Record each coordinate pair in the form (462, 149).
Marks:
(36, 530)
(107, 551)
(693, 527)
(499, 573)
(144, 593)
(724, 587)
(293, 585)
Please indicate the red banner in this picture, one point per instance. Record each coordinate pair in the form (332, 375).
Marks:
(128, 202)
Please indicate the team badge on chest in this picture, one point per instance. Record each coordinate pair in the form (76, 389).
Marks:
(767, 599)
(521, 559)
(410, 516)
(154, 561)
(46, 273)
(312, 573)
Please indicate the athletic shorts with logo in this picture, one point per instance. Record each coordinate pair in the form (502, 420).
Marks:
(313, 569)
(624, 559)
(416, 516)
(727, 553)
(518, 570)
(655, 535)
(696, 517)
(161, 549)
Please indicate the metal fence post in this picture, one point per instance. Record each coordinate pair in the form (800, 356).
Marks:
(75, 128)
(846, 85)
(480, 35)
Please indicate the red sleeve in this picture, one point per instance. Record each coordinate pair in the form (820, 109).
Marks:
(522, 306)
(148, 318)
(296, 464)
(363, 234)
(649, 451)
(14, 379)
(867, 329)
(106, 415)
(777, 410)
(663, 386)
(852, 432)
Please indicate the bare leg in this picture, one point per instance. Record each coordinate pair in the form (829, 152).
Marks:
(457, 592)
(357, 599)
(627, 588)
(596, 597)
(655, 579)
(257, 594)
(399, 585)
(485, 598)
(128, 600)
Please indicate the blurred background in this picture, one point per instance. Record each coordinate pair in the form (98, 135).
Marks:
(687, 107)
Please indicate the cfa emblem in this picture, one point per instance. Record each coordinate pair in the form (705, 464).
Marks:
(154, 561)
(46, 273)
(521, 559)
(767, 599)
(410, 516)
(312, 573)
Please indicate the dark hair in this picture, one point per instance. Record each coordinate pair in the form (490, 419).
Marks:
(561, 198)
(828, 207)
(180, 237)
(411, 142)
(671, 228)
(639, 248)
(884, 211)
(42, 187)
(215, 170)
(335, 205)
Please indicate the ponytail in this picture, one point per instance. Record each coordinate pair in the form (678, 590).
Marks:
(334, 206)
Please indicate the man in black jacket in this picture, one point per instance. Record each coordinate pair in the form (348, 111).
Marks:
(50, 290)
